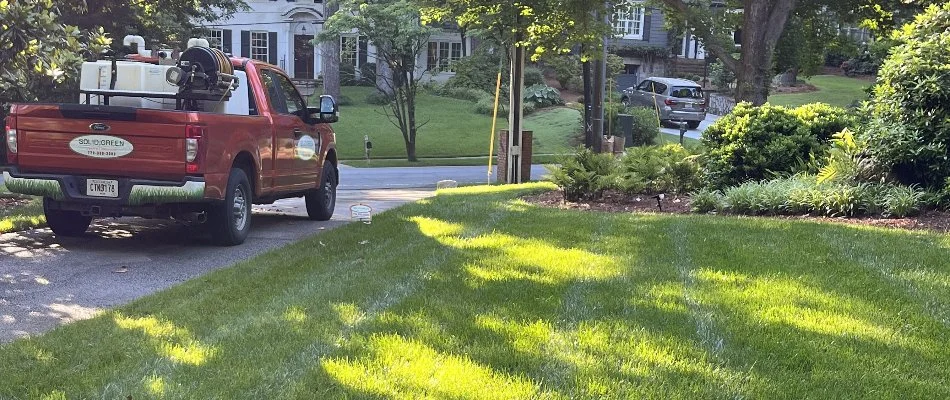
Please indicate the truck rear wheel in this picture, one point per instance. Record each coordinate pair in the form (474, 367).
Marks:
(322, 201)
(230, 220)
(65, 223)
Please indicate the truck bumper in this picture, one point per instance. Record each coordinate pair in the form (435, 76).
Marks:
(132, 192)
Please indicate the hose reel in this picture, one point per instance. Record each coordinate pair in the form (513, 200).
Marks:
(203, 73)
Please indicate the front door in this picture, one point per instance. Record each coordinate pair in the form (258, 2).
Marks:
(303, 57)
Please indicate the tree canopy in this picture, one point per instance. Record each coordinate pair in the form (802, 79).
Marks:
(158, 21)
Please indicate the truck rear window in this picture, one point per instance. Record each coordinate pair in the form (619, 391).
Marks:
(687, 92)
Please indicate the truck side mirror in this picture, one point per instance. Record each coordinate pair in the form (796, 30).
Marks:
(328, 112)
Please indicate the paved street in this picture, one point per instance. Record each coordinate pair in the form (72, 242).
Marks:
(46, 281)
(695, 133)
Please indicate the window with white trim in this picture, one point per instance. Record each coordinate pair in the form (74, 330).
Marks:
(216, 39)
(629, 20)
(260, 46)
(442, 54)
(349, 51)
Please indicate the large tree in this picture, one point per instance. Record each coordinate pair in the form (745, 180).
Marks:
(763, 22)
(158, 21)
(393, 27)
(39, 55)
(331, 56)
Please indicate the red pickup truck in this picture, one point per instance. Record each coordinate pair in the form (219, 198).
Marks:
(99, 160)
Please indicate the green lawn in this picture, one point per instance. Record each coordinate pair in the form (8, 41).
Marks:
(16, 218)
(832, 89)
(475, 295)
(453, 128)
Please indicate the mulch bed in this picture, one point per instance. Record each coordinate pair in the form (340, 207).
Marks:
(10, 202)
(935, 221)
(800, 88)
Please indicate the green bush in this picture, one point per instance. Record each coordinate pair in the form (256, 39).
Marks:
(753, 143)
(368, 74)
(533, 76)
(566, 68)
(802, 194)
(543, 96)
(463, 93)
(705, 201)
(478, 71)
(721, 77)
(824, 120)
(658, 169)
(378, 98)
(911, 106)
(584, 175)
(646, 128)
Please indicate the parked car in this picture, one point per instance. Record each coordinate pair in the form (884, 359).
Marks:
(228, 133)
(674, 99)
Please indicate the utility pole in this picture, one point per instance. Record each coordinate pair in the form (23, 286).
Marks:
(597, 98)
(516, 110)
(588, 102)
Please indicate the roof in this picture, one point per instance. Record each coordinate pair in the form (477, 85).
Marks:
(673, 81)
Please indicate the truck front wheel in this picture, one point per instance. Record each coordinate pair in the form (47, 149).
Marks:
(230, 220)
(322, 201)
(65, 223)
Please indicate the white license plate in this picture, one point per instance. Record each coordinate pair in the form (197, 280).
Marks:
(689, 106)
(102, 188)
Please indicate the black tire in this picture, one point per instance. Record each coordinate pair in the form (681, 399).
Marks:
(322, 201)
(65, 223)
(692, 124)
(230, 220)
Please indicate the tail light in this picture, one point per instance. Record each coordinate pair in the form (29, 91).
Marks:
(10, 136)
(669, 102)
(194, 147)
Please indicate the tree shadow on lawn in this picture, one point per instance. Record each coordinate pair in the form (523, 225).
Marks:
(462, 298)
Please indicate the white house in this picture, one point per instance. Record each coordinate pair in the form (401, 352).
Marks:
(280, 31)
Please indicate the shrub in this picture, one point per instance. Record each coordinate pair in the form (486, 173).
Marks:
(463, 93)
(902, 201)
(911, 131)
(823, 121)
(658, 169)
(368, 74)
(584, 175)
(378, 98)
(543, 96)
(705, 201)
(802, 194)
(533, 76)
(721, 77)
(348, 75)
(566, 68)
(646, 128)
(753, 143)
(478, 71)
(486, 106)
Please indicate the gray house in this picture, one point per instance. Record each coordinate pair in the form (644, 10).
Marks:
(649, 49)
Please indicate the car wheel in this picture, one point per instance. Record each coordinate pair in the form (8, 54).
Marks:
(230, 220)
(693, 124)
(322, 201)
(65, 223)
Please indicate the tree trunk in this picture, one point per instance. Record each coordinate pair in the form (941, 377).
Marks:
(763, 24)
(331, 59)
(411, 113)
(462, 34)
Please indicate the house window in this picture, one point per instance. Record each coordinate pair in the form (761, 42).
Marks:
(259, 46)
(349, 51)
(629, 20)
(442, 55)
(216, 39)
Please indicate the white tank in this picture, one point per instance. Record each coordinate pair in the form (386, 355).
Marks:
(130, 77)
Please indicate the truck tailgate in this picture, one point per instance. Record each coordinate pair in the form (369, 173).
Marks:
(101, 140)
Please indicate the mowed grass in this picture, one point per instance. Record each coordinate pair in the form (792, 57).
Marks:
(477, 295)
(453, 129)
(20, 217)
(835, 90)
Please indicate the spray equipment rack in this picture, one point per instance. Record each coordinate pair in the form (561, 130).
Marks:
(200, 73)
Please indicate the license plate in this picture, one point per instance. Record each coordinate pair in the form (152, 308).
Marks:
(102, 188)
(689, 106)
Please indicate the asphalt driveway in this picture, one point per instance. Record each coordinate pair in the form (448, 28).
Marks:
(46, 281)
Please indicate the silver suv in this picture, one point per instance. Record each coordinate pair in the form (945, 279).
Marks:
(674, 99)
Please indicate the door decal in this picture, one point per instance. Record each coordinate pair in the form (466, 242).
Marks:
(306, 148)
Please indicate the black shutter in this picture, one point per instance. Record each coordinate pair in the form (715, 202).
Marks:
(272, 47)
(363, 50)
(647, 24)
(245, 43)
(226, 41)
